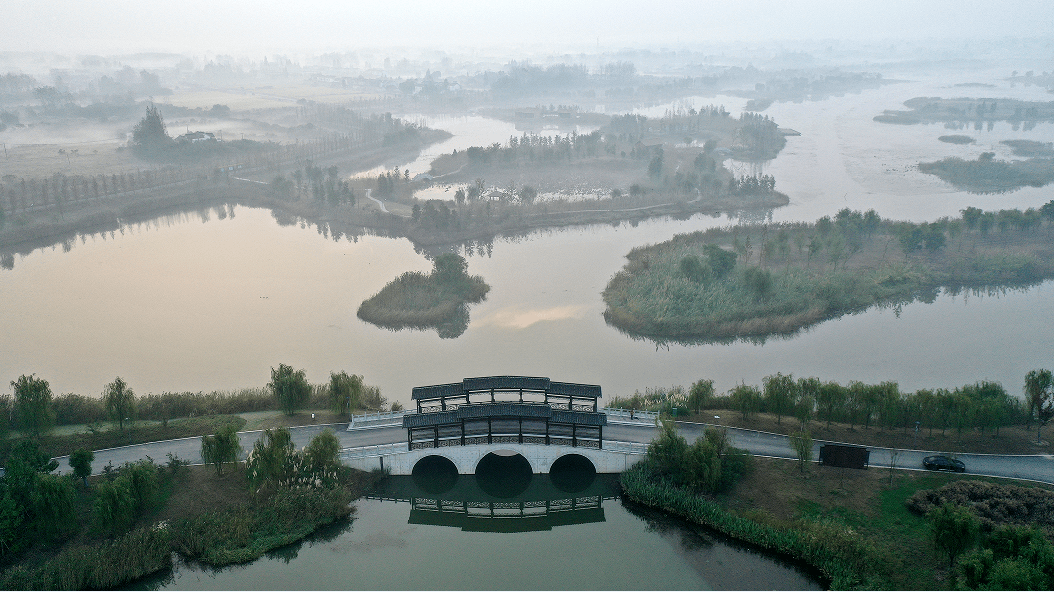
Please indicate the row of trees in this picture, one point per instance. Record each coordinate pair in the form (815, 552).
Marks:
(150, 139)
(322, 184)
(847, 233)
(532, 147)
(58, 190)
(677, 121)
(390, 181)
(34, 410)
(983, 405)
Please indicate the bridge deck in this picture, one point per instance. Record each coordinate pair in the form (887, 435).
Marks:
(565, 395)
(491, 423)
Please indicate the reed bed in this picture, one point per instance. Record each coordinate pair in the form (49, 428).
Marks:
(98, 565)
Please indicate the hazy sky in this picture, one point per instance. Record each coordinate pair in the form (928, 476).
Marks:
(106, 26)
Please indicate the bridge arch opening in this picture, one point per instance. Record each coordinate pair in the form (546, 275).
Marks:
(572, 473)
(435, 474)
(503, 474)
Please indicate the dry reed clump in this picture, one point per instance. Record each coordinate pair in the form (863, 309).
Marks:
(994, 504)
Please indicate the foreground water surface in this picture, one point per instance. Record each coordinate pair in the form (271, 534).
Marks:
(542, 538)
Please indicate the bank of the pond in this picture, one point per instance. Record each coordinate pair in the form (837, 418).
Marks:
(860, 528)
(830, 548)
(205, 517)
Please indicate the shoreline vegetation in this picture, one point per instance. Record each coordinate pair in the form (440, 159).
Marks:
(988, 175)
(872, 529)
(71, 421)
(877, 529)
(173, 173)
(662, 167)
(78, 531)
(437, 301)
(956, 139)
(757, 281)
(127, 524)
(960, 112)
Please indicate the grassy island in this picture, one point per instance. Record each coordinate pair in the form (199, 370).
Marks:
(965, 110)
(987, 175)
(438, 300)
(762, 280)
(956, 139)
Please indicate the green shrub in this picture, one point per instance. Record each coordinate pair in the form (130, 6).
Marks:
(114, 508)
(694, 269)
(220, 448)
(71, 409)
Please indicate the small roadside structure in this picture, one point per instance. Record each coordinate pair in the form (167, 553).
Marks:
(842, 455)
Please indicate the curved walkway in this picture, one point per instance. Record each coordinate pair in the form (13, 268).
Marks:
(1027, 467)
(380, 203)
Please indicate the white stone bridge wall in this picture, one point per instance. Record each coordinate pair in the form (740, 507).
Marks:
(465, 458)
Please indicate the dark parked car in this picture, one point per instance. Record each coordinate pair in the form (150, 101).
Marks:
(939, 462)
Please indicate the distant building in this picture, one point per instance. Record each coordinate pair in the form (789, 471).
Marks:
(194, 137)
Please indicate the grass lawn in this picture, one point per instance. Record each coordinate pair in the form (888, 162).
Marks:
(863, 500)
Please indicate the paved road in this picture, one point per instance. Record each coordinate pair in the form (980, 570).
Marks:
(1032, 467)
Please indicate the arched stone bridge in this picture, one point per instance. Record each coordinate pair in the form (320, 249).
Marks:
(399, 461)
(533, 417)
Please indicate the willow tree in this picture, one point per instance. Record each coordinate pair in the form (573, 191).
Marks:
(119, 400)
(290, 387)
(345, 392)
(802, 444)
(221, 448)
(953, 529)
(33, 404)
(1038, 389)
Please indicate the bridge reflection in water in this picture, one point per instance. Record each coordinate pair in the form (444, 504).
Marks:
(490, 501)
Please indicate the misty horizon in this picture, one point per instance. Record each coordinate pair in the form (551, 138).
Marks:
(240, 27)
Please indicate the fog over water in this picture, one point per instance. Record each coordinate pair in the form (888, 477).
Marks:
(549, 26)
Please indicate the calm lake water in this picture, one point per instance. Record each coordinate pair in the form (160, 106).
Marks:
(213, 299)
(544, 538)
